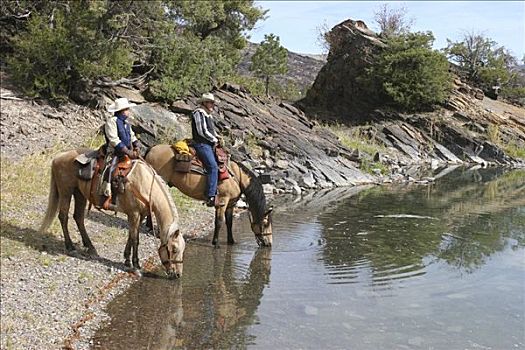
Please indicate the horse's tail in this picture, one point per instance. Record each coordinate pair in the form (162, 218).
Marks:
(52, 204)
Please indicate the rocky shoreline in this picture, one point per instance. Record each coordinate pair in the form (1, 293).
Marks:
(51, 300)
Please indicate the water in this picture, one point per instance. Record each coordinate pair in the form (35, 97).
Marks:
(401, 267)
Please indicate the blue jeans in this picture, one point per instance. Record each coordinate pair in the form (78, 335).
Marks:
(206, 155)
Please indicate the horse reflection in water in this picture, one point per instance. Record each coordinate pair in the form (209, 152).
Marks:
(212, 309)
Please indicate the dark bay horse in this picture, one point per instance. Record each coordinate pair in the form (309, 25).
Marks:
(143, 189)
(243, 181)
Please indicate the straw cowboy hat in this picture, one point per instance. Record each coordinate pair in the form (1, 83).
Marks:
(206, 97)
(120, 104)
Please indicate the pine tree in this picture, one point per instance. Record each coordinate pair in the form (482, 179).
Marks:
(270, 59)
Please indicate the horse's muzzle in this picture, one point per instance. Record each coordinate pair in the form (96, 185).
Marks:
(172, 275)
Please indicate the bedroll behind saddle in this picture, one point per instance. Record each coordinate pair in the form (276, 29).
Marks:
(189, 162)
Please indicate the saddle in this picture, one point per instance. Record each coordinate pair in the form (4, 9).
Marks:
(188, 161)
(95, 166)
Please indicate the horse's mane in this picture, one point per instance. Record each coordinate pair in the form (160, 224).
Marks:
(164, 188)
(254, 194)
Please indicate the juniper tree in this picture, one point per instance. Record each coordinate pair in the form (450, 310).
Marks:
(181, 46)
(484, 62)
(270, 59)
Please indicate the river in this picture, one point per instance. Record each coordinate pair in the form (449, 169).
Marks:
(407, 266)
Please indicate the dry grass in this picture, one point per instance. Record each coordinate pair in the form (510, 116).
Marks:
(511, 148)
(493, 134)
(25, 186)
(356, 138)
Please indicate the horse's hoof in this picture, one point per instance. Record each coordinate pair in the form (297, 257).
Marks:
(72, 252)
(231, 242)
(92, 252)
(216, 246)
(127, 263)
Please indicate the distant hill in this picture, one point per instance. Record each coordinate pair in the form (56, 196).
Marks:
(302, 68)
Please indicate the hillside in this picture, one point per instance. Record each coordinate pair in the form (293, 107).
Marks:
(302, 69)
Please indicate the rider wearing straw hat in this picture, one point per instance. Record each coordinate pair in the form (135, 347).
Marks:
(120, 141)
(205, 138)
(120, 138)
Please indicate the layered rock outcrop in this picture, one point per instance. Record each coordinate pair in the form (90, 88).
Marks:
(273, 138)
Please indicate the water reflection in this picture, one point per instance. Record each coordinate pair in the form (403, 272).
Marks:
(211, 310)
(394, 233)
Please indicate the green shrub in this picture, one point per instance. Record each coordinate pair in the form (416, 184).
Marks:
(254, 85)
(514, 150)
(48, 58)
(409, 73)
(186, 46)
(514, 94)
(483, 61)
(188, 64)
(288, 91)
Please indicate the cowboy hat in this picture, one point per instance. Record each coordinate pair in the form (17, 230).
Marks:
(206, 97)
(120, 104)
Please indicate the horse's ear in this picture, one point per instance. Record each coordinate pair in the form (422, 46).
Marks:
(268, 211)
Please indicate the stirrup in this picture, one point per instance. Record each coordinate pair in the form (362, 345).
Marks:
(215, 202)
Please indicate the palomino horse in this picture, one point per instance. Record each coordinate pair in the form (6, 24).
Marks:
(143, 190)
(242, 181)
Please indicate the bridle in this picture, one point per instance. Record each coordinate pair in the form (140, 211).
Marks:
(166, 262)
(259, 226)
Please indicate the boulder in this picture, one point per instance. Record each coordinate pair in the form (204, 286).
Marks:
(336, 88)
(132, 95)
(180, 106)
(307, 181)
(162, 125)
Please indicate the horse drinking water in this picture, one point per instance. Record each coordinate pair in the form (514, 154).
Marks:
(242, 181)
(143, 190)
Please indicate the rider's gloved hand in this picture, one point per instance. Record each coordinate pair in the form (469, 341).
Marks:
(220, 141)
(137, 146)
(129, 153)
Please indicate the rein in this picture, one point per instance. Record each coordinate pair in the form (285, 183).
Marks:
(148, 203)
(238, 180)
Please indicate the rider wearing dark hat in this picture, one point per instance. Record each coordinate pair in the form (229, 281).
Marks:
(205, 138)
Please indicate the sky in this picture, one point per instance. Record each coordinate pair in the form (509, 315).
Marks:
(297, 22)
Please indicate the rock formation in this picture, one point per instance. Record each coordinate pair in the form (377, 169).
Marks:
(457, 132)
(335, 90)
